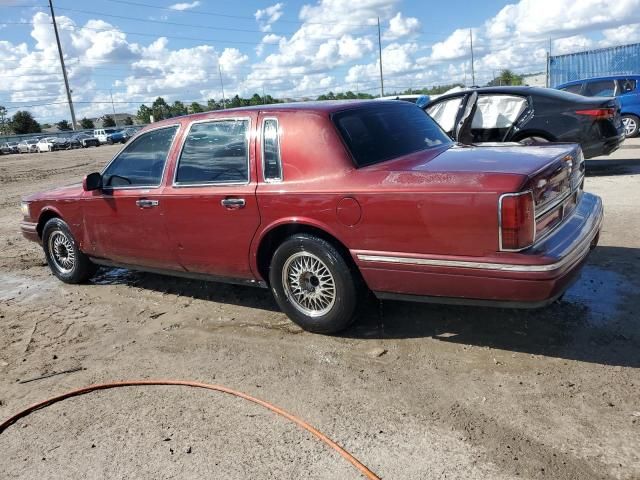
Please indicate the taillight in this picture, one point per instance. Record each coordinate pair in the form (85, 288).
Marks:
(598, 113)
(517, 221)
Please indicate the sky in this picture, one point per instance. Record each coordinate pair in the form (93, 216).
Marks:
(136, 50)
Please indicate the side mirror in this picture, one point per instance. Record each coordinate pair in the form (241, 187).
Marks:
(93, 181)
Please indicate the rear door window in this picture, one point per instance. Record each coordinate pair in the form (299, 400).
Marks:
(600, 88)
(626, 85)
(141, 163)
(445, 113)
(215, 152)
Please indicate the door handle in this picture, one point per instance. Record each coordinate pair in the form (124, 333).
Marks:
(146, 203)
(233, 203)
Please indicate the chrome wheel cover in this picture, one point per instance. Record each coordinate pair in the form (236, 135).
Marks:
(630, 125)
(308, 284)
(61, 251)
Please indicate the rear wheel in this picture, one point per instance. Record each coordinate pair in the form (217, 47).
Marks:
(631, 125)
(65, 259)
(313, 284)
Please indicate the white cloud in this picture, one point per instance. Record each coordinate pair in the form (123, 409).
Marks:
(267, 16)
(184, 6)
(621, 35)
(456, 46)
(541, 18)
(400, 26)
(575, 43)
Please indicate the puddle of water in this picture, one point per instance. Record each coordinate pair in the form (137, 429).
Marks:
(601, 291)
(113, 276)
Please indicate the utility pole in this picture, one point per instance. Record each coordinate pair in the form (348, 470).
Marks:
(64, 70)
(548, 82)
(113, 107)
(380, 59)
(264, 99)
(473, 73)
(224, 102)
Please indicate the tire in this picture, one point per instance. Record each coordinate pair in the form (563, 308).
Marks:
(109, 141)
(297, 265)
(631, 125)
(65, 259)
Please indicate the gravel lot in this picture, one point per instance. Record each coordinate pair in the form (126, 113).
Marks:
(413, 391)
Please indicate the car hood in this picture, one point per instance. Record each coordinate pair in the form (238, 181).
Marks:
(67, 192)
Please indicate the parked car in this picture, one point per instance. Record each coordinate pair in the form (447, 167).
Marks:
(625, 87)
(10, 147)
(103, 133)
(318, 200)
(61, 143)
(530, 115)
(47, 144)
(85, 140)
(121, 136)
(28, 146)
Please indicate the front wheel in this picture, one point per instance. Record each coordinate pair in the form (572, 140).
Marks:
(631, 125)
(65, 259)
(313, 284)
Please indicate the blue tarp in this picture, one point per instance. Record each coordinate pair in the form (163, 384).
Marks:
(621, 60)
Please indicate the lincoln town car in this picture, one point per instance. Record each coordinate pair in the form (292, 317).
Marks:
(324, 202)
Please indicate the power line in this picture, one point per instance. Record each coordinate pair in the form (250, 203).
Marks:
(178, 24)
(241, 17)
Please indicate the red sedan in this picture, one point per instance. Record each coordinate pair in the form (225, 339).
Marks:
(319, 201)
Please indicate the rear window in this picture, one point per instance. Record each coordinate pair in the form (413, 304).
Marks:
(600, 88)
(374, 134)
(572, 88)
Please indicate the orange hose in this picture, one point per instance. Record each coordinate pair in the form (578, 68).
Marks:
(134, 383)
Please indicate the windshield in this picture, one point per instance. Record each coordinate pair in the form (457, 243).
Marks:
(376, 133)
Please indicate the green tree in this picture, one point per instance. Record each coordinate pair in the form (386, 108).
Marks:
(213, 105)
(63, 125)
(4, 124)
(160, 109)
(87, 123)
(23, 122)
(506, 77)
(256, 100)
(44, 126)
(236, 101)
(108, 121)
(128, 121)
(177, 109)
(195, 107)
(144, 114)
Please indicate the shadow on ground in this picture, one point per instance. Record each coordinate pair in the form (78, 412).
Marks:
(595, 322)
(618, 166)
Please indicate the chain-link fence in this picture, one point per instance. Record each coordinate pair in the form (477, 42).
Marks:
(620, 60)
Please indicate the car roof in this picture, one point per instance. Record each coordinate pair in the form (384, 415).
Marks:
(591, 79)
(325, 107)
(514, 90)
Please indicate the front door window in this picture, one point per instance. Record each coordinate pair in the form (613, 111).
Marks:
(141, 163)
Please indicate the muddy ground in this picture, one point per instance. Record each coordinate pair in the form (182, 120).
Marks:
(414, 391)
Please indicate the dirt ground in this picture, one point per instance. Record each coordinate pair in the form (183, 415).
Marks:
(414, 391)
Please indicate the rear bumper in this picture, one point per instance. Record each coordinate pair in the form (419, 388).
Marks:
(603, 147)
(530, 278)
(30, 231)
